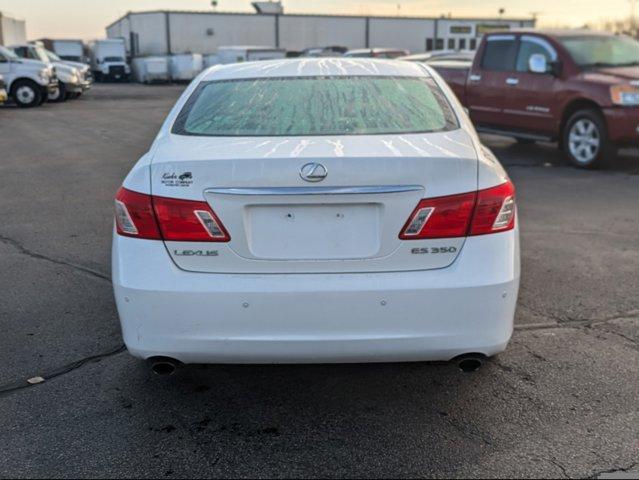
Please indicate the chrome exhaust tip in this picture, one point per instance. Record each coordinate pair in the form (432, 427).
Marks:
(163, 366)
(470, 362)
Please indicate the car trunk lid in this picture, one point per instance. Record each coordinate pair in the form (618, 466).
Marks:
(347, 221)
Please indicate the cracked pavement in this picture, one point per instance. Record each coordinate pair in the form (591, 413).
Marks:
(560, 402)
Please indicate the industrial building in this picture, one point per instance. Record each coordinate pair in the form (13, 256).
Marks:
(12, 31)
(178, 32)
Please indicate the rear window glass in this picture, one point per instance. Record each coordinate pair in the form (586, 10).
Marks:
(339, 105)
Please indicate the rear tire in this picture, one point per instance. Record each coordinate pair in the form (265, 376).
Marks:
(26, 94)
(585, 140)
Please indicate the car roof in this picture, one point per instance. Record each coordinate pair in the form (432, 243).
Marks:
(313, 67)
(434, 54)
(557, 32)
(376, 50)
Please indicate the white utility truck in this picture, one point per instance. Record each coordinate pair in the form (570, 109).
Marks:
(28, 82)
(108, 60)
(70, 79)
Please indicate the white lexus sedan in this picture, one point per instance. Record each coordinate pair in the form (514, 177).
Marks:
(312, 211)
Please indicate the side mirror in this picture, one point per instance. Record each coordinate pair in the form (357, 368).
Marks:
(537, 63)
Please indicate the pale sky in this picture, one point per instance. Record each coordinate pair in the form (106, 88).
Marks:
(87, 19)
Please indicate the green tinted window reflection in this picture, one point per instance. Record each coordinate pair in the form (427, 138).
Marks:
(316, 106)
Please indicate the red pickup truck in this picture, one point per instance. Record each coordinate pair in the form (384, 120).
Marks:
(577, 87)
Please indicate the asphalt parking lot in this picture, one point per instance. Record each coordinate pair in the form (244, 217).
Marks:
(562, 401)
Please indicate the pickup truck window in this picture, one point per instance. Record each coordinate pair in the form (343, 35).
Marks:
(22, 52)
(602, 50)
(531, 45)
(500, 53)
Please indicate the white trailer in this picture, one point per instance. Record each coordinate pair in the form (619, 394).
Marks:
(186, 67)
(236, 54)
(108, 60)
(12, 31)
(70, 50)
(151, 69)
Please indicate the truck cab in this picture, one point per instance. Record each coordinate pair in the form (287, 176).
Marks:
(576, 87)
(108, 60)
(70, 79)
(28, 82)
(86, 77)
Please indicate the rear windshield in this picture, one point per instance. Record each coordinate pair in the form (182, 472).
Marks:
(293, 106)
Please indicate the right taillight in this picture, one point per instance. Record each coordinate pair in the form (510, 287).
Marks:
(476, 213)
(495, 210)
(144, 216)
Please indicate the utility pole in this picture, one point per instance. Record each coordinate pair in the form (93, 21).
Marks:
(535, 16)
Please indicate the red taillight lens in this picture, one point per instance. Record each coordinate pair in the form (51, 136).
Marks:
(475, 213)
(441, 217)
(134, 215)
(495, 210)
(188, 221)
(144, 216)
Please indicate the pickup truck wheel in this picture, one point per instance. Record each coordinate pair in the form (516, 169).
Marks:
(26, 94)
(585, 140)
(59, 94)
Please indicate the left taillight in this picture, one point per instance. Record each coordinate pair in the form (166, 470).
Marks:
(134, 215)
(145, 216)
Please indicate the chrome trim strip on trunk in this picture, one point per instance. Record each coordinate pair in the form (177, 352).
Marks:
(374, 189)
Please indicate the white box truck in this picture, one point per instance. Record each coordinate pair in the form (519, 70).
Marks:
(108, 60)
(70, 50)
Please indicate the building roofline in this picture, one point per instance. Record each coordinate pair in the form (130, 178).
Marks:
(322, 15)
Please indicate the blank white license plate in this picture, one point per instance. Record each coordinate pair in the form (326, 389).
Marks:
(314, 232)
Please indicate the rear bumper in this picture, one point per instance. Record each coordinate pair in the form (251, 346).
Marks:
(317, 318)
(623, 125)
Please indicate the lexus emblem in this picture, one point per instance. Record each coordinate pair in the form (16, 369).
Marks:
(313, 172)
